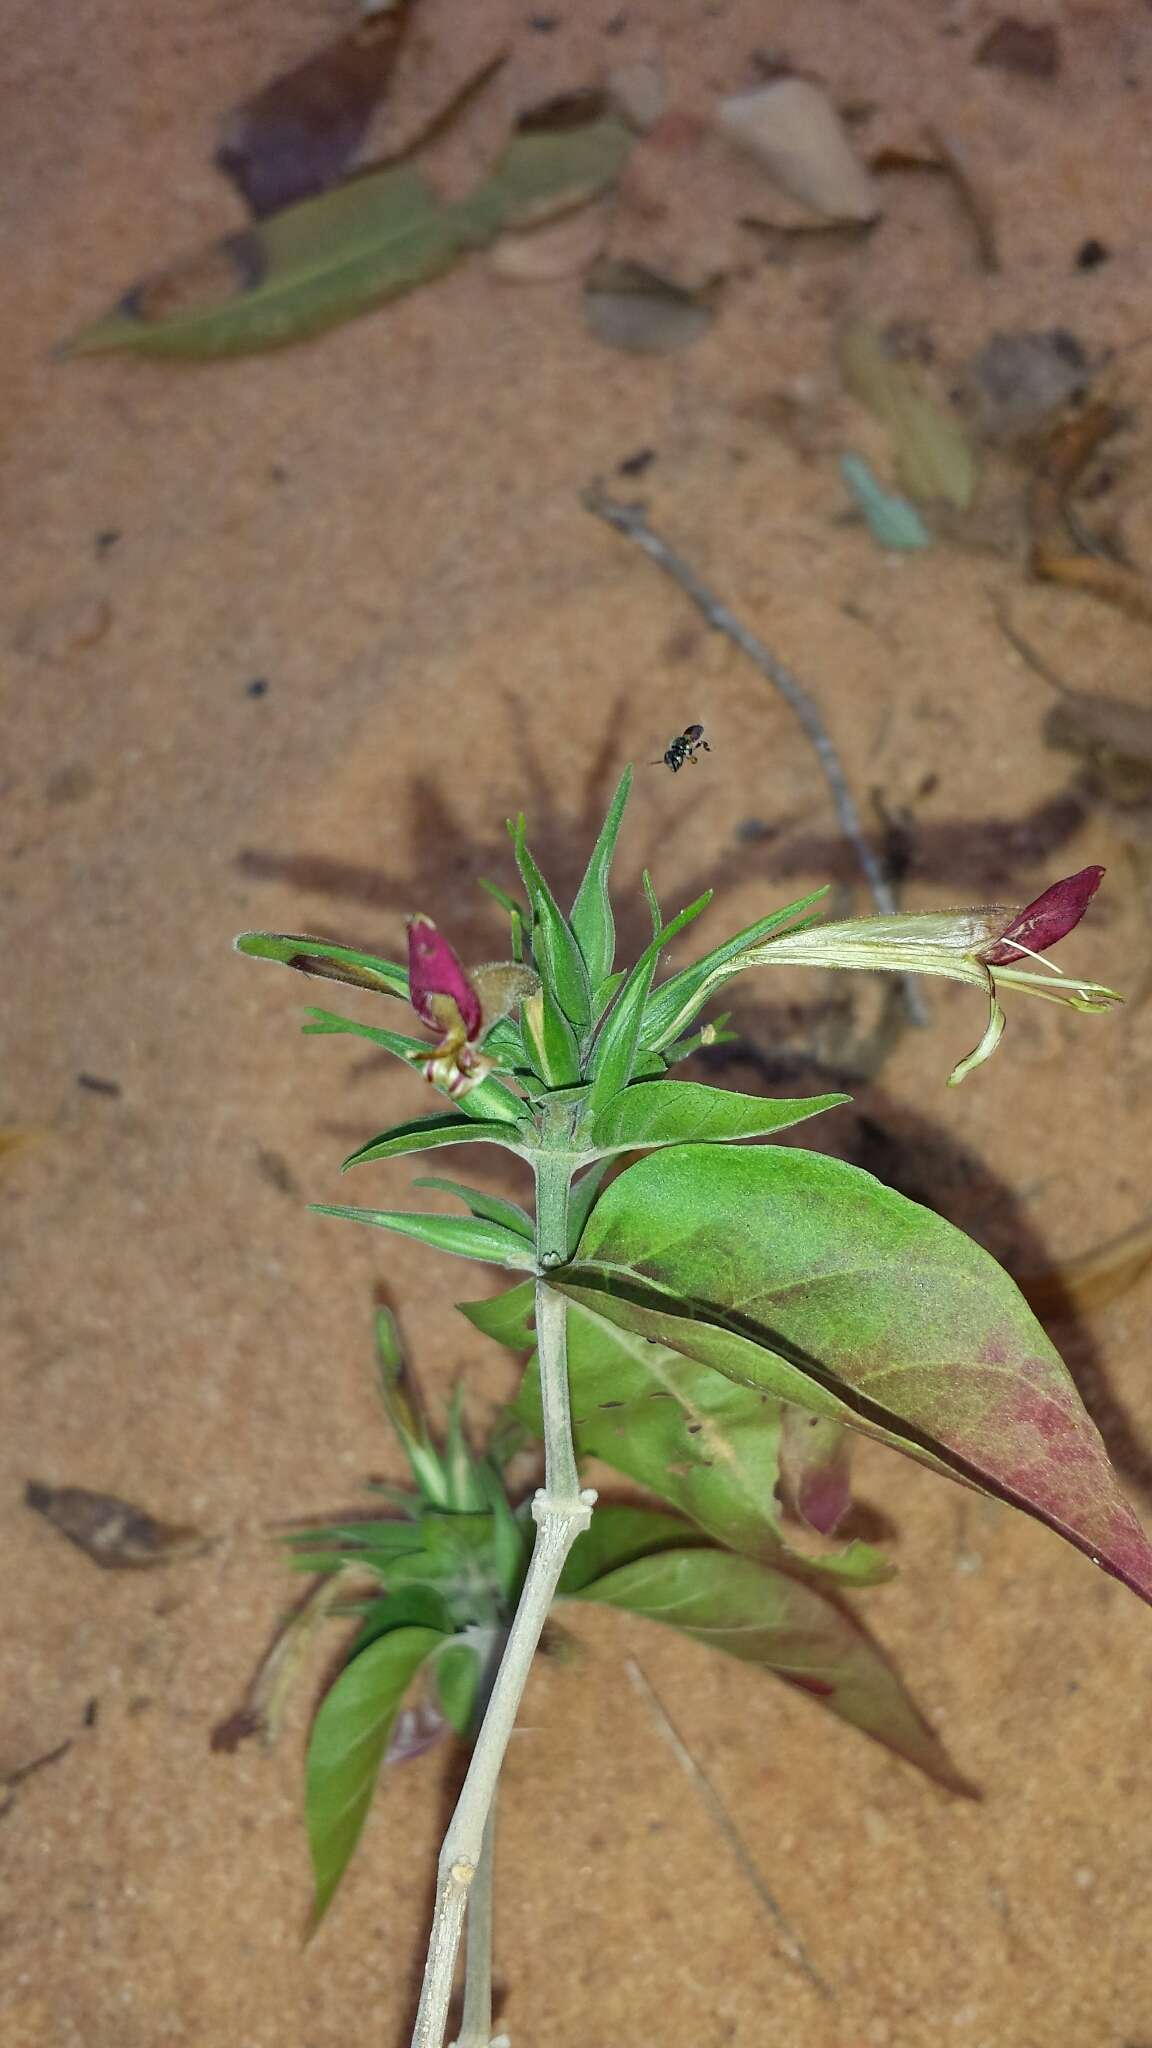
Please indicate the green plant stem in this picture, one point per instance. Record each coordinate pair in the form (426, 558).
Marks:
(476, 2020)
(561, 1511)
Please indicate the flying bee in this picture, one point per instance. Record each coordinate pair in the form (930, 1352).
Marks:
(684, 747)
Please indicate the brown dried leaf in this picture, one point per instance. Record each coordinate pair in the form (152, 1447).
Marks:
(1029, 48)
(792, 129)
(631, 307)
(113, 1533)
(298, 135)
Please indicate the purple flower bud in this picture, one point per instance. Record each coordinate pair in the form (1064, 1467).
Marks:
(1049, 918)
(436, 980)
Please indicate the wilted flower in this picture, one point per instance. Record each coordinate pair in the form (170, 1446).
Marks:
(462, 1007)
(980, 946)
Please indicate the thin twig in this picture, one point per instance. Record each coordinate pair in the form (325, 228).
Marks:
(718, 1812)
(631, 521)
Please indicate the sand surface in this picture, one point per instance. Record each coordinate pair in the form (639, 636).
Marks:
(385, 527)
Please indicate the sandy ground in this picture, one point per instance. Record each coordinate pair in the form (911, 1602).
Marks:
(385, 527)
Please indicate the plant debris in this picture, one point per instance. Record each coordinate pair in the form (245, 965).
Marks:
(631, 307)
(1053, 557)
(892, 521)
(933, 456)
(363, 242)
(1029, 48)
(1018, 384)
(794, 132)
(298, 135)
(113, 1533)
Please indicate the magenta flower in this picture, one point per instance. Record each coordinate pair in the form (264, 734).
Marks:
(460, 1006)
(1051, 917)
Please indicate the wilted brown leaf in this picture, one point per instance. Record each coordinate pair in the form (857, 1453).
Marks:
(298, 135)
(110, 1531)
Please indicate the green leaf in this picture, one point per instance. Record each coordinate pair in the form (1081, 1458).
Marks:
(424, 1133)
(326, 1025)
(457, 1674)
(682, 1112)
(614, 1053)
(295, 274)
(554, 948)
(550, 1040)
(346, 1748)
(933, 455)
(583, 1193)
(330, 962)
(417, 1605)
(675, 1002)
(467, 1237)
(690, 1436)
(544, 172)
(492, 1208)
(506, 1317)
(807, 1278)
(367, 240)
(592, 920)
(618, 1536)
(763, 1616)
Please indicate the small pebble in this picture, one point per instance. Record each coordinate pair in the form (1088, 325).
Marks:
(635, 465)
(1091, 254)
(258, 687)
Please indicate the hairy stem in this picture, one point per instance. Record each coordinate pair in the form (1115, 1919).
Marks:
(560, 1511)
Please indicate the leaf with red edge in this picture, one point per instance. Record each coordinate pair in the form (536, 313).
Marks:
(806, 1277)
(797, 1632)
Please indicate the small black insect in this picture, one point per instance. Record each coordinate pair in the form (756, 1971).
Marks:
(684, 747)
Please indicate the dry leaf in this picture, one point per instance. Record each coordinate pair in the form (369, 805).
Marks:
(298, 135)
(792, 129)
(1030, 48)
(1018, 384)
(932, 454)
(630, 307)
(110, 1531)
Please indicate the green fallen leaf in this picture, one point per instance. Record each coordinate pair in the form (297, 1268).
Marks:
(329, 258)
(933, 456)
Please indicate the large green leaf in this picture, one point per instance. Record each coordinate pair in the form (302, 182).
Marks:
(807, 1278)
(424, 1133)
(685, 1112)
(347, 1745)
(468, 1237)
(688, 1434)
(765, 1617)
(363, 242)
